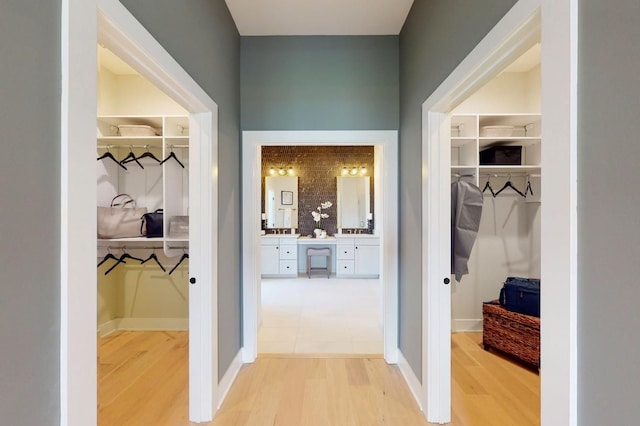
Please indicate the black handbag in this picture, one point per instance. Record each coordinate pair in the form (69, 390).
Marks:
(152, 224)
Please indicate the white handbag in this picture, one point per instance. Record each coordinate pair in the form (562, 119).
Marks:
(121, 219)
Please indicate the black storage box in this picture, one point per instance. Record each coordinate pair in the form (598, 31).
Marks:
(521, 295)
(501, 155)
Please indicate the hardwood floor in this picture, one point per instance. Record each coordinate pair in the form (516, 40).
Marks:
(142, 380)
(490, 389)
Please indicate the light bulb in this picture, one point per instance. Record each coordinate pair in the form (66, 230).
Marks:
(290, 171)
(363, 170)
(272, 171)
(353, 171)
(344, 171)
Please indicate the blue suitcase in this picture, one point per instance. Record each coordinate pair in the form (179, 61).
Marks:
(521, 295)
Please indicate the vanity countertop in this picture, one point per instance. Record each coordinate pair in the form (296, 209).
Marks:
(308, 240)
(280, 236)
(357, 236)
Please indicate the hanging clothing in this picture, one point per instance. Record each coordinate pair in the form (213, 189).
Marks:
(466, 210)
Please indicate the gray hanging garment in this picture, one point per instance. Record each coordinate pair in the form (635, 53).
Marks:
(466, 210)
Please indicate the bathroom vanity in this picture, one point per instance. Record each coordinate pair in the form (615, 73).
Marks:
(352, 255)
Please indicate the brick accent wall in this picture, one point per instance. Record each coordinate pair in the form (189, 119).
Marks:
(317, 168)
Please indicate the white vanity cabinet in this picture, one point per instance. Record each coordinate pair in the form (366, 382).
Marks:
(358, 256)
(279, 255)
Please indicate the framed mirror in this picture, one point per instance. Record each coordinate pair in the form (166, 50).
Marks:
(353, 201)
(281, 201)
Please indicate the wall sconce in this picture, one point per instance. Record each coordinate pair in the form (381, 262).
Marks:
(353, 171)
(281, 171)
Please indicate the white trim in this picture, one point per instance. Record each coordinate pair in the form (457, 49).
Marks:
(386, 208)
(436, 297)
(143, 324)
(229, 377)
(558, 24)
(83, 21)
(412, 380)
(466, 325)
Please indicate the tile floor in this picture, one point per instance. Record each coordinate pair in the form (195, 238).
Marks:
(321, 316)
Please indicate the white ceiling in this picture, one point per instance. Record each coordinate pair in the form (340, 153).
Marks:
(319, 17)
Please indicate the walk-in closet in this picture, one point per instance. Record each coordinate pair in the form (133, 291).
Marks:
(496, 145)
(142, 151)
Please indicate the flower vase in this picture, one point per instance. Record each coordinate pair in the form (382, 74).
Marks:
(318, 232)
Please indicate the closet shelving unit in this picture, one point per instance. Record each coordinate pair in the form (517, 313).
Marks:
(156, 186)
(468, 139)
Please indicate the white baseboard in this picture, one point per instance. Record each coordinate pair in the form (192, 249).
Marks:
(229, 377)
(466, 325)
(107, 328)
(143, 324)
(412, 381)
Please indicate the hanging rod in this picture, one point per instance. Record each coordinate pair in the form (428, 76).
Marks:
(177, 146)
(510, 174)
(127, 146)
(143, 247)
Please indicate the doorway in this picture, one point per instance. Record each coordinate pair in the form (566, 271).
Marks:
(386, 151)
(334, 312)
(522, 24)
(84, 25)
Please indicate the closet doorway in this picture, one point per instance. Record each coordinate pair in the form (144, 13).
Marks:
(385, 149)
(513, 35)
(115, 28)
(495, 146)
(143, 271)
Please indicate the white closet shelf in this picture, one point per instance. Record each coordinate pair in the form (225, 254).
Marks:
(129, 240)
(512, 140)
(125, 141)
(509, 169)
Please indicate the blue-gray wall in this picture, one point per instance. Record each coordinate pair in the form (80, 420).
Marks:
(608, 212)
(203, 38)
(320, 83)
(436, 37)
(30, 199)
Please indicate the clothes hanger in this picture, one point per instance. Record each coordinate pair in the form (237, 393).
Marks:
(185, 255)
(131, 157)
(153, 256)
(528, 188)
(172, 155)
(508, 184)
(122, 259)
(488, 186)
(109, 155)
(149, 154)
(109, 256)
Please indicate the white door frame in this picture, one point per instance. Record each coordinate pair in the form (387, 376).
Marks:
(557, 22)
(386, 207)
(83, 24)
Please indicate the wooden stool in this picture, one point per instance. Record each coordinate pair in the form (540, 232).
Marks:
(321, 251)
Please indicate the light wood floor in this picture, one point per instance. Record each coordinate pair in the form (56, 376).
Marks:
(142, 380)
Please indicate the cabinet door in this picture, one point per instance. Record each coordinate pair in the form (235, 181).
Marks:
(367, 260)
(270, 260)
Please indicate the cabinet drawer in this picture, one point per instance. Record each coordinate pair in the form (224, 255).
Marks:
(269, 241)
(367, 241)
(288, 252)
(345, 267)
(288, 267)
(344, 252)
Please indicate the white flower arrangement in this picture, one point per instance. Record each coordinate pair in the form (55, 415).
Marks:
(318, 215)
